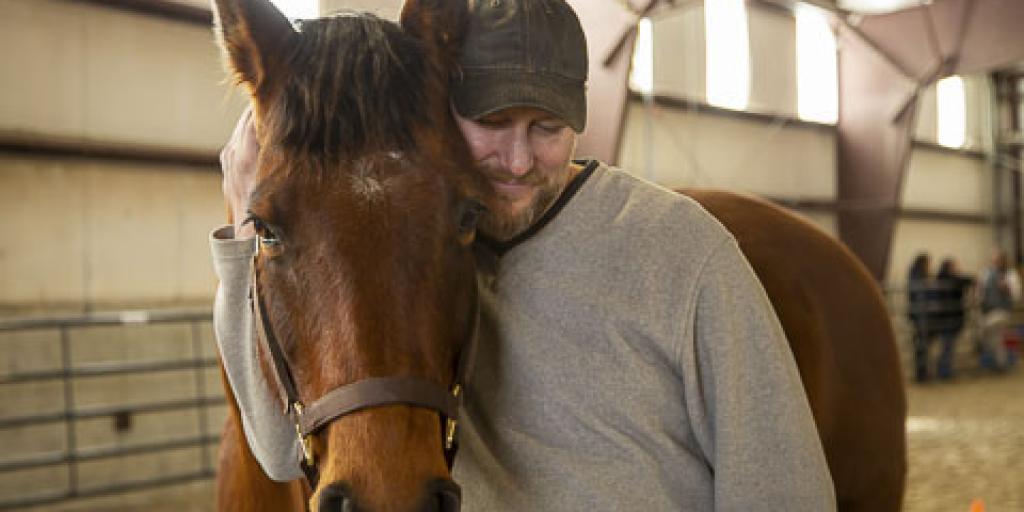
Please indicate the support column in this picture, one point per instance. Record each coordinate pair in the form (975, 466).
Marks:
(873, 148)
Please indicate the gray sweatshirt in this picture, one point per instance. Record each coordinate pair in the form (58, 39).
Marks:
(629, 360)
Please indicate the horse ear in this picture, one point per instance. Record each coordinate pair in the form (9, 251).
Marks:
(253, 35)
(439, 24)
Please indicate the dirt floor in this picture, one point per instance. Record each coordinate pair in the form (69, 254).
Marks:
(966, 443)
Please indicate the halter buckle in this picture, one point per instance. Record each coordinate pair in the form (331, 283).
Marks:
(305, 441)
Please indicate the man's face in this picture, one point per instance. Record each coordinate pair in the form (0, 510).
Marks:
(525, 152)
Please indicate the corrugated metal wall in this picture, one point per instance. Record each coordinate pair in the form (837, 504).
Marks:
(86, 233)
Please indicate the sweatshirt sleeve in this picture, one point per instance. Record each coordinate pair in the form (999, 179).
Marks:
(270, 435)
(745, 398)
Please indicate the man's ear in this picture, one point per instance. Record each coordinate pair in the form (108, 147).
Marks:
(440, 25)
(255, 37)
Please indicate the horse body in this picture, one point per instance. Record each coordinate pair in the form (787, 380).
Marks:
(842, 339)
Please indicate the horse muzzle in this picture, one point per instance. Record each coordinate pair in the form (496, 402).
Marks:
(440, 495)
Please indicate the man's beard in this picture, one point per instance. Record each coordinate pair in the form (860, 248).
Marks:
(503, 226)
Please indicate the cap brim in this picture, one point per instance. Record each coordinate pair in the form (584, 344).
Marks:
(483, 93)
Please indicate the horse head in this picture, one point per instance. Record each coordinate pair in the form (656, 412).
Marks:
(365, 205)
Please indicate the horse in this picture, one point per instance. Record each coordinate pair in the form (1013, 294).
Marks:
(841, 336)
(365, 205)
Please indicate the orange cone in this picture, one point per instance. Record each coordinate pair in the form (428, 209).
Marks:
(977, 505)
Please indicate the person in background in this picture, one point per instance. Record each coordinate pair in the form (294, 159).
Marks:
(996, 305)
(950, 288)
(920, 296)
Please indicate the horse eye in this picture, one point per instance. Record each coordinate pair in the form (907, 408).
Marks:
(266, 236)
(469, 215)
(269, 241)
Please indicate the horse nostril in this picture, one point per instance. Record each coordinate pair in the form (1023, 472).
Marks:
(336, 497)
(443, 496)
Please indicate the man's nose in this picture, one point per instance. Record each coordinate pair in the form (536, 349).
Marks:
(518, 154)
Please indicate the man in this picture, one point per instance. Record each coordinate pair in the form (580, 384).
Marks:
(996, 304)
(629, 359)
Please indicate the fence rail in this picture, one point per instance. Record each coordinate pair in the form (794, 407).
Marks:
(68, 373)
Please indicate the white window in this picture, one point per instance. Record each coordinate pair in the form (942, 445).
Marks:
(298, 9)
(951, 125)
(817, 76)
(728, 53)
(878, 6)
(641, 77)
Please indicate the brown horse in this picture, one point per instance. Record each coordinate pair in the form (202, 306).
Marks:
(841, 336)
(365, 204)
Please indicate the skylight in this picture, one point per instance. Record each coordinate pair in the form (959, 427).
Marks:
(951, 125)
(298, 9)
(641, 77)
(728, 54)
(817, 87)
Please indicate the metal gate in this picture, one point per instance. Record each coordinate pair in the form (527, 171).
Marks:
(65, 368)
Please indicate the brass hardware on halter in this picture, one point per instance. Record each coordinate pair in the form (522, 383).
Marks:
(449, 438)
(451, 425)
(305, 441)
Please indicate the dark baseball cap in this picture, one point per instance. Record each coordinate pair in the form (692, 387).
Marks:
(523, 53)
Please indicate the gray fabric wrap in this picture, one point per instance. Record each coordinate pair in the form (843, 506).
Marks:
(270, 434)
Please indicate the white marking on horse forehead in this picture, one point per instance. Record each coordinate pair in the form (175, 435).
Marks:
(366, 185)
(367, 178)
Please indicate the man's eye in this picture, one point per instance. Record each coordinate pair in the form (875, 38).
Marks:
(550, 127)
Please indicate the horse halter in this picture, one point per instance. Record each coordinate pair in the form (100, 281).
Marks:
(363, 394)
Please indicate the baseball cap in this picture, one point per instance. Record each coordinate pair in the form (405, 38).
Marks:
(523, 53)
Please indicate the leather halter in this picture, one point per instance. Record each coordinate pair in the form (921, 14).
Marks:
(363, 394)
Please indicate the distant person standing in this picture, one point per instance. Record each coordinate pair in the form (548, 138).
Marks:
(920, 296)
(996, 305)
(950, 288)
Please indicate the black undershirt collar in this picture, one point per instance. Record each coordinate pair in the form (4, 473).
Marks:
(499, 248)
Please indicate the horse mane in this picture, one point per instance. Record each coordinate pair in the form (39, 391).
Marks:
(355, 82)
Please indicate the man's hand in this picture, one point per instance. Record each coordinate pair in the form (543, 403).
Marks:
(238, 163)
